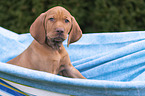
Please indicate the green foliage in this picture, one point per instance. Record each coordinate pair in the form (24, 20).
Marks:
(92, 15)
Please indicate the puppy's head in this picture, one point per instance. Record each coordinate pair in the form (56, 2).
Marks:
(54, 25)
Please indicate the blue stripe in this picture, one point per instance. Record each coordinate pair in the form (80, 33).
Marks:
(7, 84)
(10, 91)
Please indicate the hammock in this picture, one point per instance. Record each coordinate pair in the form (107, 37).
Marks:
(113, 63)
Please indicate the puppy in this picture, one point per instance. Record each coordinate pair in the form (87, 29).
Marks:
(46, 52)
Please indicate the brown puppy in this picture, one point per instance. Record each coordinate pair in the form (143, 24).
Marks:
(46, 52)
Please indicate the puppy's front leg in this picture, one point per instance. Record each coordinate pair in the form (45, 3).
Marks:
(71, 71)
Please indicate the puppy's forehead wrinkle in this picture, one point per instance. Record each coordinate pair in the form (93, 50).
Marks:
(58, 11)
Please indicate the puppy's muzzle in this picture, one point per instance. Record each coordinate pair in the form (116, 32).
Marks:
(59, 35)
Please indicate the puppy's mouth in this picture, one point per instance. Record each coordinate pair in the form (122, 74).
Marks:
(58, 39)
(55, 42)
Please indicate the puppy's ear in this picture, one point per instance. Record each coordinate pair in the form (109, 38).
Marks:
(37, 29)
(75, 33)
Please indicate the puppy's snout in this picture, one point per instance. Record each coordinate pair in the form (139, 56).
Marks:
(60, 30)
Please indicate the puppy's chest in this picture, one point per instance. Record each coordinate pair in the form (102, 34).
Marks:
(54, 64)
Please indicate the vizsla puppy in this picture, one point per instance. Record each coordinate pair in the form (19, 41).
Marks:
(46, 52)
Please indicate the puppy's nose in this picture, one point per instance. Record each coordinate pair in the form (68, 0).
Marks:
(60, 30)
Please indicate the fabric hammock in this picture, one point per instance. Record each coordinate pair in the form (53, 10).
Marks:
(113, 63)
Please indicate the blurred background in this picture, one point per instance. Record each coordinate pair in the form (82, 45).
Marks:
(93, 16)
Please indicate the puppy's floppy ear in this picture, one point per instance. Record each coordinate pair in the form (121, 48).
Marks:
(75, 32)
(37, 29)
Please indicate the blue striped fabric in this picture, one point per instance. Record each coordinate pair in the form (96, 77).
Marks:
(10, 90)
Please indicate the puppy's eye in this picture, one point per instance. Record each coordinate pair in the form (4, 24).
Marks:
(66, 21)
(51, 19)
